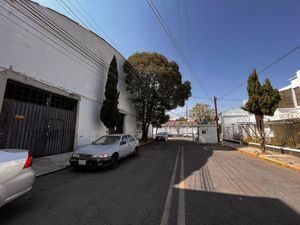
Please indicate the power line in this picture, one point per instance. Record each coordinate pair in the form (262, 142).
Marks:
(224, 99)
(263, 70)
(84, 24)
(68, 9)
(104, 66)
(279, 59)
(85, 18)
(58, 32)
(65, 6)
(91, 55)
(91, 25)
(97, 25)
(56, 43)
(176, 45)
(43, 40)
(200, 97)
(187, 28)
(232, 99)
(179, 22)
(108, 50)
(82, 63)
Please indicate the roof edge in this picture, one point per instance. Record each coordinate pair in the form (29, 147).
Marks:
(92, 32)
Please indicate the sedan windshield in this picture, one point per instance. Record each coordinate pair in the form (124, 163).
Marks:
(107, 140)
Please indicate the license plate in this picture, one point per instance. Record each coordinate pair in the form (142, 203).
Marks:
(81, 162)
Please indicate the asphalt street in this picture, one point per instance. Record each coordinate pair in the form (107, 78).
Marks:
(174, 182)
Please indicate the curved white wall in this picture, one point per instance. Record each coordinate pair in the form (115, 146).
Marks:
(31, 50)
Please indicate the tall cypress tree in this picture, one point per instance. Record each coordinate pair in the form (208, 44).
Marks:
(263, 100)
(109, 111)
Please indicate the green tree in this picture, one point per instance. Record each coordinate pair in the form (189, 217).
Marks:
(109, 114)
(202, 113)
(159, 120)
(262, 100)
(179, 123)
(156, 86)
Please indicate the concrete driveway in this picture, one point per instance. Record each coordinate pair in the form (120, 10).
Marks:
(174, 182)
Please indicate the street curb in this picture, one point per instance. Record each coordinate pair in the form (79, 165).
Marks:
(53, 171)
(149, 142)
(274, 161)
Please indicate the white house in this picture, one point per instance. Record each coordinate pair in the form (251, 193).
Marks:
(288, 109)
(52, 80)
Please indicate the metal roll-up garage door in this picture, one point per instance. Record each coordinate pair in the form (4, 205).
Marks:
(38, 120)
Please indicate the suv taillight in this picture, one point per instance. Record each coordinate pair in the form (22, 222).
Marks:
(28, 162)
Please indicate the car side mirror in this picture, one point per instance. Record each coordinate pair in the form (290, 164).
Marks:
(122, 142)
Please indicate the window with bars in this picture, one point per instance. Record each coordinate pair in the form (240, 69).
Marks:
(297, 92)
(286, 99)
(25, 93)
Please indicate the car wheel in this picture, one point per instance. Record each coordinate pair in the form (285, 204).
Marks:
(114, 161)
(135, 153)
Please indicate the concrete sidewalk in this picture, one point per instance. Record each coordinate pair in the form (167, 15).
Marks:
(285, 160)
(50, 164)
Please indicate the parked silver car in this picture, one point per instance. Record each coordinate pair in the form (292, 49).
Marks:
(16, 174)
(107, 150)
(162, 136)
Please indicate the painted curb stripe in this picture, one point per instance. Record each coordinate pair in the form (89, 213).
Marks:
(274, 161)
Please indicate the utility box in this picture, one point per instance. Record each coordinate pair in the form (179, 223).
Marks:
(207, 133)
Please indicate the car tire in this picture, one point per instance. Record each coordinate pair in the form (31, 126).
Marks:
(135, 152)
(114, 162)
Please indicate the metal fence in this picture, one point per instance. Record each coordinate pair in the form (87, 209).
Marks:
(279, 133)
(188, 131)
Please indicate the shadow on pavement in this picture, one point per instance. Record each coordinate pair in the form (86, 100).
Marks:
(206, 206)
(128, 194)
(212, 208)
(196, 157)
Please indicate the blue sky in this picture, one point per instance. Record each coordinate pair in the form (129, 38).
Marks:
(224, 40)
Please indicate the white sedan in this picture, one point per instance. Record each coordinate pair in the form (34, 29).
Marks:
(163, 136)
(16, 174)
(107, 150)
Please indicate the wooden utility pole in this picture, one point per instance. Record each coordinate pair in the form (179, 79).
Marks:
(217, 118)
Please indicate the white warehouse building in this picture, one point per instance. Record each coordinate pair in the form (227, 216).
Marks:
(52, 80)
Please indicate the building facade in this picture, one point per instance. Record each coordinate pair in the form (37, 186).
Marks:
(290, 95)
(52, 80)
(237, 123)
